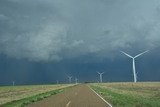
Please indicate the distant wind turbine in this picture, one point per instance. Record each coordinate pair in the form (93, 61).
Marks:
(57, 82)
(13, 83)
(100, 76)
(76, 80)
(70, 78)
(133, 62)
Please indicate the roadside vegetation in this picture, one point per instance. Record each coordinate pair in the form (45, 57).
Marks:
(20, 96)
(130, 94)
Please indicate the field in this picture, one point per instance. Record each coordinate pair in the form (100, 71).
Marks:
(130, 94)
(142, 94)
(15, 93)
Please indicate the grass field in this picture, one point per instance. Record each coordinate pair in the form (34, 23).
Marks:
(15, 93)
(145, 94)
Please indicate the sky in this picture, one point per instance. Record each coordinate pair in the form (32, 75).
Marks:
(44, 41)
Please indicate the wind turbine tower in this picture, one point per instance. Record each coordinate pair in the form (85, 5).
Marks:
(100, 76)
(133, 63)
(13, 83)
(70, 79)
(57, 82)
(76, 80)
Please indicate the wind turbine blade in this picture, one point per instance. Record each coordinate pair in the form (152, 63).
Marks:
(141, 54)
(98, 72)
(69, 76)
(126, 54)
(103, 72)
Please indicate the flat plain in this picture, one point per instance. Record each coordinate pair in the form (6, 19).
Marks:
(120, 94)
(142, 94)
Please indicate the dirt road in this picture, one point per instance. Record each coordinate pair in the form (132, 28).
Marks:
(78, 96)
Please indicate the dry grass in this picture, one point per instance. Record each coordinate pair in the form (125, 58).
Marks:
(11, 93)
(149, 89)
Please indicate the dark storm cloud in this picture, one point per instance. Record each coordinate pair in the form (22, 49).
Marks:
(55, 29)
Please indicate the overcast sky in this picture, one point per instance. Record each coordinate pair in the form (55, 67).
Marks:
(54, 38)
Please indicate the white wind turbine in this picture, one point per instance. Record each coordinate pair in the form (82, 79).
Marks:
(100, 76)
(57, 82)
(76, 80)
(133, 62)
(13, 83)
(70, 78)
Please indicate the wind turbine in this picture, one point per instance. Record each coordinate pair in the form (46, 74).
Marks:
(57, 82)
(13, 83)
(100, 76)
(70, 78)
(133, 63)
(76, 80)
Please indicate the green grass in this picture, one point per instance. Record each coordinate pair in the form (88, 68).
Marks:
(129, 94)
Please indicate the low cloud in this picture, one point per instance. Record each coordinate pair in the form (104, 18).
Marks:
(51, 30)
